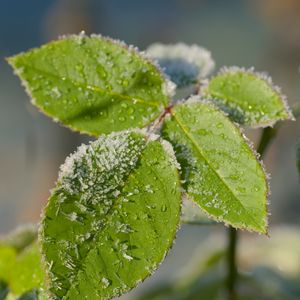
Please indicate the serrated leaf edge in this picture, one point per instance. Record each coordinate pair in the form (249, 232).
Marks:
(46, 265)
(168, 87)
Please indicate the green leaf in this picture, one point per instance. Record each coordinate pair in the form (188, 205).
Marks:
(248, 97)
(21, 272)
(7, 261)
(112, 216)
(219, 169)
(184, 64)
(93, 84)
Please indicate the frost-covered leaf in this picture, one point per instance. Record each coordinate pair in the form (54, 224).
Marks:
(93, 84)
(112, 216)
(22, 272)
(248, 97)
(219, 169)
(184, 64)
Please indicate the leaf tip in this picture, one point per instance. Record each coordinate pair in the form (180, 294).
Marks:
(11, 60)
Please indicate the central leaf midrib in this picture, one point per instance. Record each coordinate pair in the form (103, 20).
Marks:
(206, 160)
(97, 89)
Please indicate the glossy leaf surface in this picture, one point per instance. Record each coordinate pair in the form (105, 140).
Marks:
(93, 84)
(220, 171)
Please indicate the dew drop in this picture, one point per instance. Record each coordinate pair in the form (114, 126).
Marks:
(130, 110)
(234, 177)
(79, 68)
(163, 208)
(105, 282)
(56, 92)
(241, 189)
(203, 132)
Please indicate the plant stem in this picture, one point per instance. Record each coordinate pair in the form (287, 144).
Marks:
(204, 223)
(296, 110)
(232, 267)
(267, 136)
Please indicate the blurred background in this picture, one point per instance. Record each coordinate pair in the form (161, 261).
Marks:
(260, 33)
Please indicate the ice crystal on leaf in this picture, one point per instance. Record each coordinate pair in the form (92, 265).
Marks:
(99, 214)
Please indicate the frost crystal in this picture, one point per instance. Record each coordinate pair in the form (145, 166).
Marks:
(105, 282)
(184, 64)
(128, 257)
(169, 88)
(95, 172)
(169, 149)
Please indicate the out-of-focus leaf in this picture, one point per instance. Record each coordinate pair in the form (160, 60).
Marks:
(7, 262)
(184, 64)
(20, 238)
(21, 272)
(270, 284)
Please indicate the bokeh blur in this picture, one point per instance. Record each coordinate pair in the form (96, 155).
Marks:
(260, 33)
